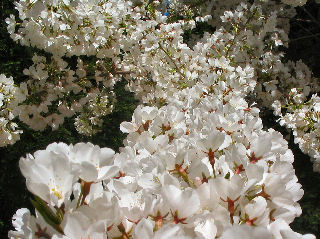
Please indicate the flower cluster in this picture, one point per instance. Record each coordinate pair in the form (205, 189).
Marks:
(290, 90)
(10, 97)
(72, 28)
(162, 64)
(304, 119)
(55, 92)
(69, 28)
(199, 167)
(279, 85)
(196, 162)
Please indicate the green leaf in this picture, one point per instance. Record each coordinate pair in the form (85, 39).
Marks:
(46, 212)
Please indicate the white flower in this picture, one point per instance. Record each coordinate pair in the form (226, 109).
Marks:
(144, 229)
(141, 119)
(28, 226)
(21, 223)
(281, 230)
(95, 163)
(245, 231)
(183, 202)
(205, 227)
(49, 174)
(82, 224)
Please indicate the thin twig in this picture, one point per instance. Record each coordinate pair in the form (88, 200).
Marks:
(197, 4)
(311, 16)
(302, 20)
(307, 30)
(305, 37)
(177, 68)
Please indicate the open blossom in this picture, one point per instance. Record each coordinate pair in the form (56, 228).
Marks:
(28, 226)
(185, 203)
(49, 174)
(82, 224)
(280, 230)
(245, 231)
(95, 163)
(21, 223)
(140, 119)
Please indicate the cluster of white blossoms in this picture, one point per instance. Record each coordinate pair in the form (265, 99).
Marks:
(56, 92)
(291, 91)
(304, 120)
(163, 64)
(199, 167)
(10, 97)
(196, 162)
(64, 27)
